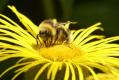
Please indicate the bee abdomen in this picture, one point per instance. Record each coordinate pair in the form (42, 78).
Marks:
(61, 35)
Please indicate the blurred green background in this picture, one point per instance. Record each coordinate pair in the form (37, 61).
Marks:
(85, 12)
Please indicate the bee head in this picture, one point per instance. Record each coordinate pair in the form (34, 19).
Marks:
(47, 29)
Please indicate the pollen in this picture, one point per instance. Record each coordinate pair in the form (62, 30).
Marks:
(60, 52)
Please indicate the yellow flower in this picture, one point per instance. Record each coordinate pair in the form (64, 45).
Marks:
(85, 55)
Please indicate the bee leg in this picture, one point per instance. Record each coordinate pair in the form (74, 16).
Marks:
(37, 39)
(51, 43)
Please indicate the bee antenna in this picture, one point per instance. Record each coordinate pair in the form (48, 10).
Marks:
(68, 23)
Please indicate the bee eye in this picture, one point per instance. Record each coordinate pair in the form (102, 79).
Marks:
(45, 33)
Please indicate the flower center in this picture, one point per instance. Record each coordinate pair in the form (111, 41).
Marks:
(60, 52)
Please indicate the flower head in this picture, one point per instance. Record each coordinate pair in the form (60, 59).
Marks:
(58, 51)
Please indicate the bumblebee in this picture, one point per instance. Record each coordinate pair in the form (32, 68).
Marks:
(53, 33)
